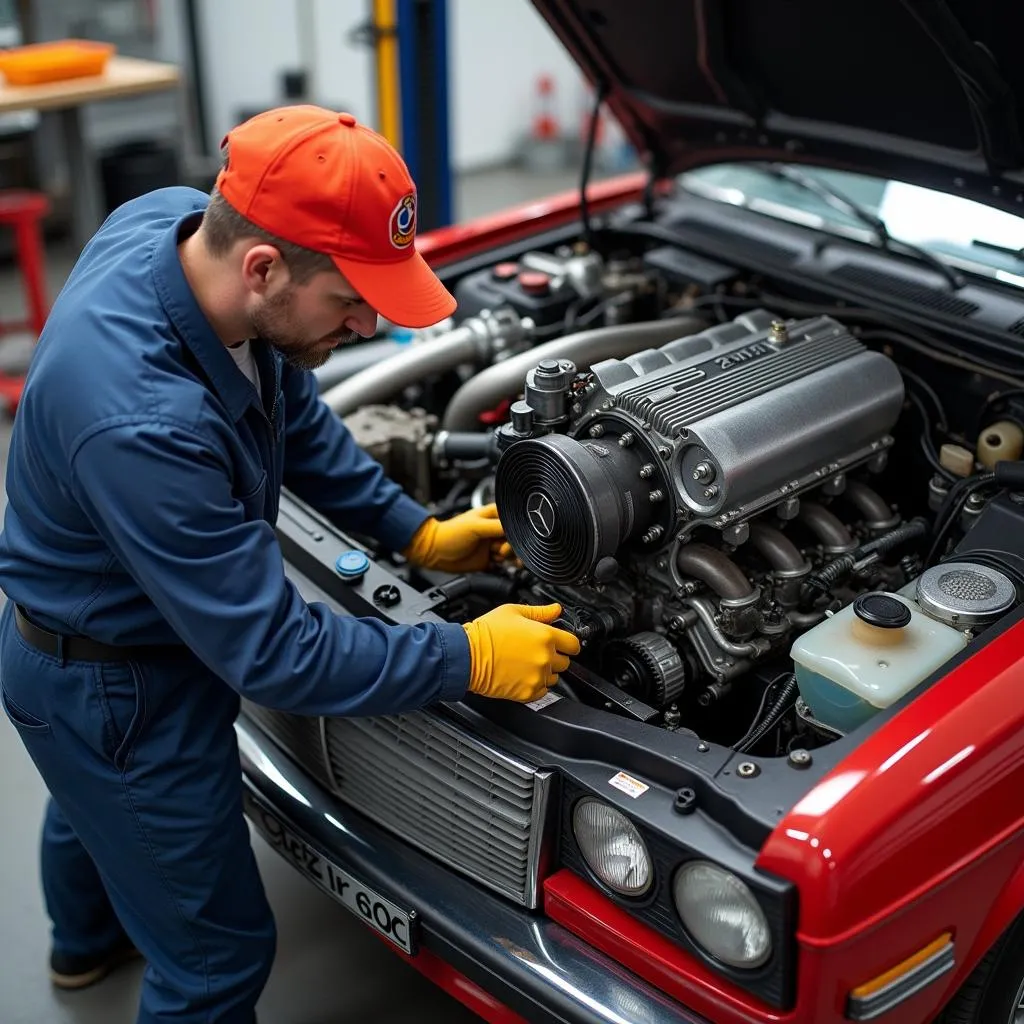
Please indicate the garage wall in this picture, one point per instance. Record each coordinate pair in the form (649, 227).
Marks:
(497, 49)
(249, 44)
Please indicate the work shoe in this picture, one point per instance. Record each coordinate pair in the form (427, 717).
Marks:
(71, 972)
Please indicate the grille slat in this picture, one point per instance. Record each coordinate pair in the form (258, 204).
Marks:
(417, 746)
(477, 806)
(442, 790)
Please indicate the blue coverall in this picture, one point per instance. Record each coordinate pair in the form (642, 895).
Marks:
(144, 476)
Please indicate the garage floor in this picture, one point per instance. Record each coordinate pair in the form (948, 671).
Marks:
(329, 969)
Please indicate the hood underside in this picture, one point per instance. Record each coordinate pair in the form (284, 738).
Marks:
(925, 91)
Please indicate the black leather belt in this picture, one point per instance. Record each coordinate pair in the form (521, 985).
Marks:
(74, 648)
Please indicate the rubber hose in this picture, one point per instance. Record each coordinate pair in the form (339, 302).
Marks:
(917, 527)
(480, 584)
(827, 576)
(465, 446)
(779, 706)
(487, 388)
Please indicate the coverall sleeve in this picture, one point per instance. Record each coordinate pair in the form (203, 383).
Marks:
(327, 469)
(160, 495)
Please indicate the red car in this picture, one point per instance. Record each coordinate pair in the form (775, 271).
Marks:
(755, 417)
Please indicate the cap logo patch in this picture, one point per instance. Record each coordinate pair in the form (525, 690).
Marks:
(402, 227)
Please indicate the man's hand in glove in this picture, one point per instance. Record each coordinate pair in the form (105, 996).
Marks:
(469, 542)
(516, 654)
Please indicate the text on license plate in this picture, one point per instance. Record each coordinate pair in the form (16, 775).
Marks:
(369, 906)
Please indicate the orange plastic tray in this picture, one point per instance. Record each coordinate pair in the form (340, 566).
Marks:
(54, 62)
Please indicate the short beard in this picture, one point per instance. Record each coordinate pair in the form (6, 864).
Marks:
(270, 323)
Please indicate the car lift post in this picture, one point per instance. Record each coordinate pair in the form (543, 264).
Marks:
(411, 39)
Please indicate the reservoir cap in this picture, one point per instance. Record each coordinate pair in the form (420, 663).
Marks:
(352, 565)
(882, 610)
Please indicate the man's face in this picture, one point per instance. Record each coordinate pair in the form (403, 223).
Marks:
(306, 322)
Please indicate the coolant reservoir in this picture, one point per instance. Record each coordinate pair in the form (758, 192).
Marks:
(869, 655)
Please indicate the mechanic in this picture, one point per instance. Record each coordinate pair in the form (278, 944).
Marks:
(167, 403)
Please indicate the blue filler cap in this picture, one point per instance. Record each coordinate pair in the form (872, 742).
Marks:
(352, 565)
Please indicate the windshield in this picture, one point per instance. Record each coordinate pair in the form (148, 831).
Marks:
(963, 233)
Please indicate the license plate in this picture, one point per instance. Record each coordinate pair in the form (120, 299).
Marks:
(370, 907)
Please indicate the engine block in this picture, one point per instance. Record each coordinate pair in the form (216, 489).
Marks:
(710, 429)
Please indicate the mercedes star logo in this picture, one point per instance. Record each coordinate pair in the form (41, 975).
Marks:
(541, 514)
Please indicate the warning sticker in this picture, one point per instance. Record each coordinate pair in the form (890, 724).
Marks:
(542, 702)
(630, 786)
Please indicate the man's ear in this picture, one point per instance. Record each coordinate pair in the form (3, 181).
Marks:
(263, 269)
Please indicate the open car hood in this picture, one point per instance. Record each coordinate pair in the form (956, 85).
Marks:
(925, 91)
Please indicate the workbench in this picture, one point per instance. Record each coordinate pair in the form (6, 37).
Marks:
(123, 78)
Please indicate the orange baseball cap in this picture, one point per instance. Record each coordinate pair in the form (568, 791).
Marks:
(322, 180)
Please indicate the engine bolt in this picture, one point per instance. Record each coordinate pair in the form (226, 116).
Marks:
(657, 495)
(704, 473)
(646, 471)
(748, 770)
(665, 452)
(800, 758)
(653, 534)
(703, 747)
(596, 430)
(779, 333)
(627, 439)
(711, 492)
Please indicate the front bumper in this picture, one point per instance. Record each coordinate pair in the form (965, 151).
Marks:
(534, 967)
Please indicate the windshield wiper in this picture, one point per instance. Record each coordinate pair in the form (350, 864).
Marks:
(834, 198)
(1017, 254)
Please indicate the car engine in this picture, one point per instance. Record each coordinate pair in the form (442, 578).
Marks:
(709, 502)
(609, 480)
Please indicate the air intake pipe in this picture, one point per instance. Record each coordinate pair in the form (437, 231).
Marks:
(476, 339)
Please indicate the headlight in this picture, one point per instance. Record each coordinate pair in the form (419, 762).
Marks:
(722, 915)
(612, 847)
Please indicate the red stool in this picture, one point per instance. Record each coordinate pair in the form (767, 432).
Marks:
(23, 210)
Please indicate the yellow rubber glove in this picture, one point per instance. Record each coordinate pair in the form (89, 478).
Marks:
(468, 542)
(515, 653)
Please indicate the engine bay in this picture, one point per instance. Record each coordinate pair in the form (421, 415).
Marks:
(767, 513)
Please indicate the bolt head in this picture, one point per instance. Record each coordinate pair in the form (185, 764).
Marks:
(800, 758)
